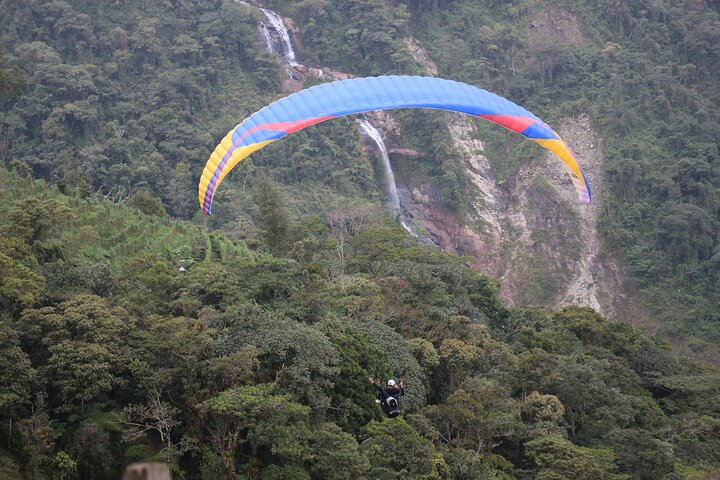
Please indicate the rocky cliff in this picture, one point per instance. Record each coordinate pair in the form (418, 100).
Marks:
(530, 232)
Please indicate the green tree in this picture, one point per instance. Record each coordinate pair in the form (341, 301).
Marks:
(147, 282)
(596, 393)
(542, 414)
(38, 438)
(299, 357)
(11, 81)
(641, 455)
(395, 450)
(92, 449)
(238, 368)
(175, 354)
(478, 416)
(558, 459)
(146, 203)
(78, 346)
(20, 286)
(459, 360)
(36, 220)
(263, 420)
(352, 404)
(400, 362)
(425, 353)
(284, 472)
(180, 183)
(469, 465)
(65, 466)
(336, 455)
(17, 376)
(375, 247)
(273, 217)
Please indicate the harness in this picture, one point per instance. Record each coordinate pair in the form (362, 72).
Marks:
(392, 407)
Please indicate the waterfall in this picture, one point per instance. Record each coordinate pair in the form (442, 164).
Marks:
(277, 40)
(370, 131)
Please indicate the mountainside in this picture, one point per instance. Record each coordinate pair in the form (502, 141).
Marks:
(583, 66)
(615, 78)
(134, 328)
(117, 101)
(127, 336)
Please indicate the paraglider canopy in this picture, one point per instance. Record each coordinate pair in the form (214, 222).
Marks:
(344, 97)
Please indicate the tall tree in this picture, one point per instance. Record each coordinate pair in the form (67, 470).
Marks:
(478, 416)
(557, 458)
(266, 421)
(79, 346)
(11, 81)
(273, 217)
(35, 220)
(16, 373)
(20, 286)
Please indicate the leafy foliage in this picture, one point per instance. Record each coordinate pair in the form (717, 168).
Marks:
(241, 344)
(247, 362)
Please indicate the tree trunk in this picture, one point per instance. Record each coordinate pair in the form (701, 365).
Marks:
(254, 465)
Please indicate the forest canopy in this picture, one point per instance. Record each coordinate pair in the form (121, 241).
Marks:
(240, 346)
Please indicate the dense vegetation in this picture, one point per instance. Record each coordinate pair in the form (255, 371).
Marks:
(239, 346)
(647, 72)
(128, 95)
(255, 364)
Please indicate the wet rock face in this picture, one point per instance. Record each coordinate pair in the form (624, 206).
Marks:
(405, 152)
(295, 34)
(530, 232)
(545, 212)
(421, 55)
(424, 204)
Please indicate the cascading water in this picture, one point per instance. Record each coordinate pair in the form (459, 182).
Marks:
(370, 131)
(277, 40)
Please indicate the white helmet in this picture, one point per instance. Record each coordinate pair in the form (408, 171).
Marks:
(391, 383)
